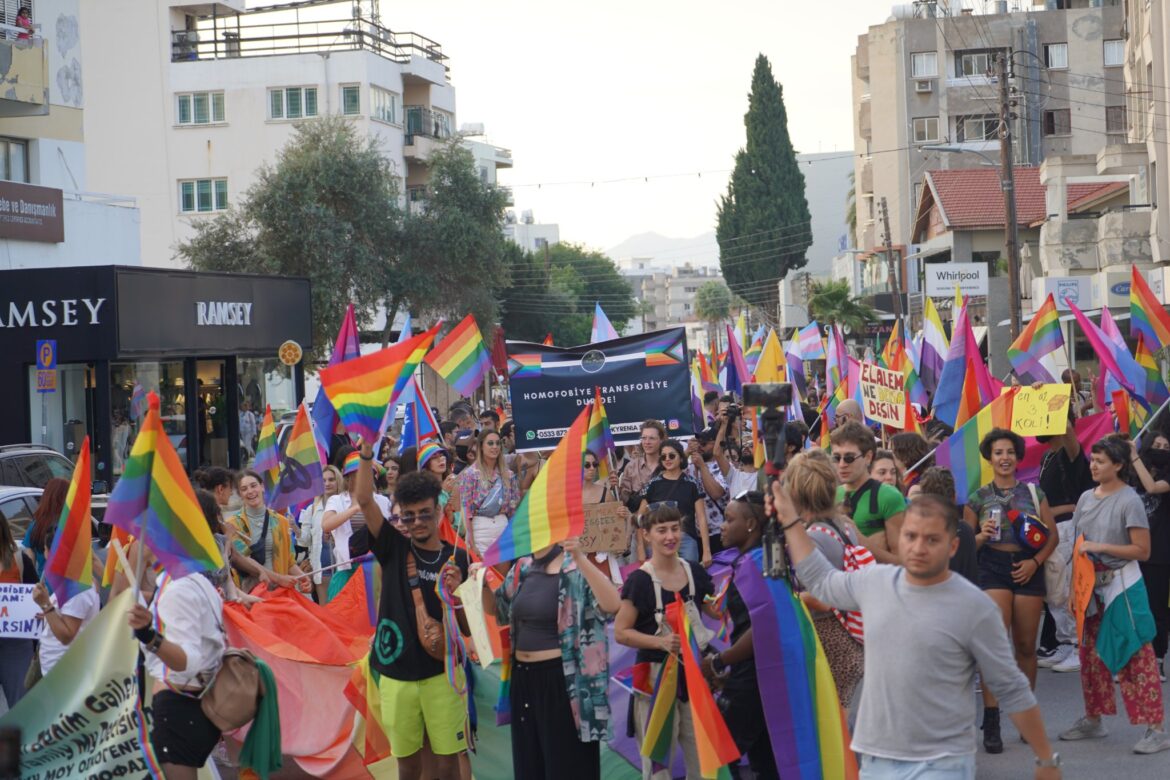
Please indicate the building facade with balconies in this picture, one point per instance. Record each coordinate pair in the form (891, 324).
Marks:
(215, 91)
(1147, 77)
(926, 77)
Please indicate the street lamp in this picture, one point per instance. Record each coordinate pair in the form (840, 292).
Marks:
(1011, 229)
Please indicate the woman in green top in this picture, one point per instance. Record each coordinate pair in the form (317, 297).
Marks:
(1010, 573)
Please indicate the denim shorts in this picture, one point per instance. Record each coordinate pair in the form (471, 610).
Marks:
(945, 768)
(995, 572)
(688, 548)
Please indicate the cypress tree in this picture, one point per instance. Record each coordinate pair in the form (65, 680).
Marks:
(763, 225)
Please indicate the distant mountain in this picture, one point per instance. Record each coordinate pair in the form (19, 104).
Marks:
(698, 251)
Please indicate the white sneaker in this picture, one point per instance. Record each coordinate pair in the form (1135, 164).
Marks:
(1071, 663)
(1060, 655)
(1152, 742)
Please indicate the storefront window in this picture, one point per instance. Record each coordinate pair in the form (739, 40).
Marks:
(263, 382)
(213, 409)
(129, 384)
(60, 419)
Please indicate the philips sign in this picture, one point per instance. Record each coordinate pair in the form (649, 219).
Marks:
(942, 278)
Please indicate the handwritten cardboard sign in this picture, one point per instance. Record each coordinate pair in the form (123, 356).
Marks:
(1041, 411)
(18, 612)
(607, 528)
(883, 393)
(1083, 581)
(471, 594)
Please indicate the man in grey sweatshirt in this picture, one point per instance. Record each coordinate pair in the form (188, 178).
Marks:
(926, 631)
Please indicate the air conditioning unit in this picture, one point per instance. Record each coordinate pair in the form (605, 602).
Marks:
(924, 85)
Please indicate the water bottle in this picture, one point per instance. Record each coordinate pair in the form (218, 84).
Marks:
(995, 513)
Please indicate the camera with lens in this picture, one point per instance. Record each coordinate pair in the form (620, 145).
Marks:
(733, 412)
(773, 399)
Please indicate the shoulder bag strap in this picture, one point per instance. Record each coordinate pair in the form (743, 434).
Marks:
(1035, 498)
(659, 610)
(690, 578)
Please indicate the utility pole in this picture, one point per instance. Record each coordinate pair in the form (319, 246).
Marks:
(892, 268)
(1008, 184)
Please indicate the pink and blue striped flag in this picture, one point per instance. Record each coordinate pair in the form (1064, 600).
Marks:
(811, 346)
(603, 330)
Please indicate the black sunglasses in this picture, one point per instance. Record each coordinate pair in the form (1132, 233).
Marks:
(848, 457)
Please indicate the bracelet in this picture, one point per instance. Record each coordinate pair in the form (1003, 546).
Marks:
(786, 527)
(155, 643)
(145, 635)
(46, 611)
(363, 457)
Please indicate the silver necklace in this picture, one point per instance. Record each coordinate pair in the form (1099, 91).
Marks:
(418, 555)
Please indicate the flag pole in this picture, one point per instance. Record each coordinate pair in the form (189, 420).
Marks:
(1151, 419)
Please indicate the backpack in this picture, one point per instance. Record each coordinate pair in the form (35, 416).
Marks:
(872, 486)
(855, 558)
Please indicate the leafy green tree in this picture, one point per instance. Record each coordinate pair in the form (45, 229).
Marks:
(713, 306)
(763, 226)
(831, 302)
(326, 210)
(559, 298)
(456, 259)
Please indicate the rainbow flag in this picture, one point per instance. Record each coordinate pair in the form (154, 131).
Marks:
(551, 509)
(347, 347)
(523, 366)
(361, 389)
(1114, 358)
(370, 738)
(708, 377)
(301, 478)
(893, 344)
(267, 460)
(154, 501)
(69, 566)
(752, 355)
(548, 339)
(598, 437)
(461, 358)
(656, 742)
(413, 360)
(665, 350)
(811, 345)
(771, 366)
(1147, 314)
(960, 452)
(1155, 388)
(715, 746)
(805, 722)
(965, 386)
(1040, 339)
(603, 329)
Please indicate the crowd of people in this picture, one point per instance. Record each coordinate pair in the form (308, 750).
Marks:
(966, 595)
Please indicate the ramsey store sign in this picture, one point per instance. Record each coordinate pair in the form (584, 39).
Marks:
(30, 213)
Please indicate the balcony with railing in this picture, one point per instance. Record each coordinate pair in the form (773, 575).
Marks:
(426, 131)
(24, 74)
(280, 31)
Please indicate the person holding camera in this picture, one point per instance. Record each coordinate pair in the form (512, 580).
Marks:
(706, 470)
(736, 463)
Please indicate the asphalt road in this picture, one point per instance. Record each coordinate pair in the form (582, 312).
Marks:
(1112, 757)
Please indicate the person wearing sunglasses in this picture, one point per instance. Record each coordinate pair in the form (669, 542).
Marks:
(641, 624)
(874, 507)
(408, 648)
(595, 491)
(673, 485)
(487, 492)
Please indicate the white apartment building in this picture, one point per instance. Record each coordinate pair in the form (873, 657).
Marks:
(525, 232)
(48, 215)
(922, 78)
(189, 98)
(1147, 73)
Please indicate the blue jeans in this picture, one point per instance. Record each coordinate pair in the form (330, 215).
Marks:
(688, 549)
(947, 768)
(17, 655)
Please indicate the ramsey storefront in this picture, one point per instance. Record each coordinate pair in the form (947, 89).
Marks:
(80, 348)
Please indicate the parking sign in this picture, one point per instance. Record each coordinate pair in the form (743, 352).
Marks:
(46, 365)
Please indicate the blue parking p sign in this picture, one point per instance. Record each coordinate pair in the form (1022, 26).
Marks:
(46, 365)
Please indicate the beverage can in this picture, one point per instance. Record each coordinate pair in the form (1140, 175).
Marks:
(995, 513)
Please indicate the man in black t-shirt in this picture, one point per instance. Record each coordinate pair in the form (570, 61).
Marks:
(408, 647)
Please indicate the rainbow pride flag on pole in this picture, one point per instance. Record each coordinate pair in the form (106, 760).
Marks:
(965, 386)
(660, 723)
(301, 478)
(960, 452)
(69, 566)
(361, 389)
(1038, 341)
(461, 358)
(598, 437)
(1155, 388)
(347, 347)
(267, 460)
(154, 501)
(713, 741)
(1114, 358)
(1147, 315)
(551, 510)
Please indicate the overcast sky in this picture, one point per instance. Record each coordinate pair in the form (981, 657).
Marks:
(610, 90)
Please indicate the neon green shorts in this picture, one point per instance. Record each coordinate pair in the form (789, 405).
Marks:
(412, 708)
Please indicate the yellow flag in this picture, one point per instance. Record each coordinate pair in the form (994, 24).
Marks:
(772, 366)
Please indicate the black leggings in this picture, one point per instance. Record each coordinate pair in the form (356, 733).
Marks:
(545, 745)
(1157, 579)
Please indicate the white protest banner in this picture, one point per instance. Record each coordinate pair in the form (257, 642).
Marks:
(18, 612)
(884, 396)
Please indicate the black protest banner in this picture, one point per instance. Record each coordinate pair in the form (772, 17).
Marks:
(644, 377)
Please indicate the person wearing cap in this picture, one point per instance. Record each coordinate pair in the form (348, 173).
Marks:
(346, 522)
(706, 469)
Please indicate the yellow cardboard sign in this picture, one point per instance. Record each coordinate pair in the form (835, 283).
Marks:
(1041, 411)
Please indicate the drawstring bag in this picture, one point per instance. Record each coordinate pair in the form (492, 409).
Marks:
(855, 558)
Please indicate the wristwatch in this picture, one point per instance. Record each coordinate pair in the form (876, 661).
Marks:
(1046, 763)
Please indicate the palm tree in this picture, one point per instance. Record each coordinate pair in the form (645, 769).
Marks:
(713, 305)
(831, 302)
